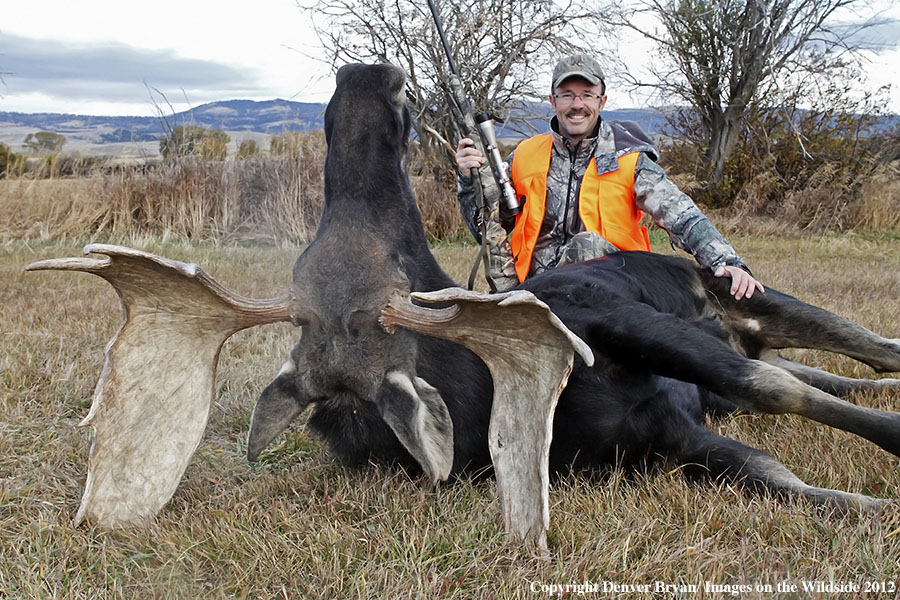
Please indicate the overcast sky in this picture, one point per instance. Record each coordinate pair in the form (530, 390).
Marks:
(99, 56)
(95, 56)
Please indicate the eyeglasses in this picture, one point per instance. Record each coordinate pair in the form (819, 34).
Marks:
(567, 98)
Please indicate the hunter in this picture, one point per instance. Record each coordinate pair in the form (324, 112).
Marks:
(584, 187)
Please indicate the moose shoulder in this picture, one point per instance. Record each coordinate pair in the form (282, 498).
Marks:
(665, 343)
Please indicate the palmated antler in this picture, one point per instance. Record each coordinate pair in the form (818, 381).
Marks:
(530, 354)
(151, 404)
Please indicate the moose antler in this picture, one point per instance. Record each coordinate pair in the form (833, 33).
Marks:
(530, 354)
(151, 404)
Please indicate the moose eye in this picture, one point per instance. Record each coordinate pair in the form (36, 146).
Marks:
(357, 322)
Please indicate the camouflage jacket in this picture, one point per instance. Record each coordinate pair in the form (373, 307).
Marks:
(563, 239)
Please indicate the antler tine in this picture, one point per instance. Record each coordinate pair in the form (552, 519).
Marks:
(530, 354)
(151, 403)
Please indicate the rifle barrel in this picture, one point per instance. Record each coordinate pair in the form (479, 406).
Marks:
(440, 30)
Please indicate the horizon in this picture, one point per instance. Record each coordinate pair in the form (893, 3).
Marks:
(648, 108)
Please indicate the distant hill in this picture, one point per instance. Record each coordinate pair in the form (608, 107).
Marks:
(90, 134)
(138, 137)
(241, 119)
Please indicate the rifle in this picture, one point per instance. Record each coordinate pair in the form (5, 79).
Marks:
(497, 187)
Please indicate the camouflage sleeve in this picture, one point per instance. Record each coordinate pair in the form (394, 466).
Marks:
(502, 271)
(674, 211)
(468, 204)
(502, 265)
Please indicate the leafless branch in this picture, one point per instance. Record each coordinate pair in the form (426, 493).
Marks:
(503, 50)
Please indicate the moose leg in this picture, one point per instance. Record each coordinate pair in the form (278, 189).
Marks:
(825, 381)
(638, 336)
(777, 320)
(711, 456)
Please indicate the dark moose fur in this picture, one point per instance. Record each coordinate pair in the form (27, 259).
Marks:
(664, 331)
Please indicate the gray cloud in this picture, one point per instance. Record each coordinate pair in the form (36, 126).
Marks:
(881, 36)
(114, 72)
(875, 34)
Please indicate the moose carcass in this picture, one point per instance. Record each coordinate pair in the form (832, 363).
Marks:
(667, 339)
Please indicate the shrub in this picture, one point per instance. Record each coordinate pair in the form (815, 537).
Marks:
(10, 162)
(247, 149)
(192, 140)
(808, 168)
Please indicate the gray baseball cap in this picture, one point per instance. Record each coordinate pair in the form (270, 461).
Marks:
(578, 65)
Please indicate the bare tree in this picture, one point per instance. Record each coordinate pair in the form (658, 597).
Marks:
(726, 57)
(502, 49)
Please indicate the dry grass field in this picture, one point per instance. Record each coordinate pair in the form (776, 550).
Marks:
(297, 525)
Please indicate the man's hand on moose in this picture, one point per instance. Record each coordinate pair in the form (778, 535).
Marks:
(468, 157)
(742, 283)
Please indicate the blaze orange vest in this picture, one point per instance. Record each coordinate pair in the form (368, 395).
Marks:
(605, 203)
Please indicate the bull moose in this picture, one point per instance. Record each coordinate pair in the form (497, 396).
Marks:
(610, 361)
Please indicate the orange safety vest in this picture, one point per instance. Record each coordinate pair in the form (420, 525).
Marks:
(605, 203)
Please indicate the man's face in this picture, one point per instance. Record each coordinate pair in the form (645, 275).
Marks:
(577, 104)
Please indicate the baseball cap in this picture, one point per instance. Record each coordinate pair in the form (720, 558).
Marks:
(580, 65)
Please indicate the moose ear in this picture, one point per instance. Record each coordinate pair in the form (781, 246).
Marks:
(277, 406)
(151, 404)
(416, 413)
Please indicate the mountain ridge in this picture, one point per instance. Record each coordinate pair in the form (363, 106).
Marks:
(269, 117)
(240, 118)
